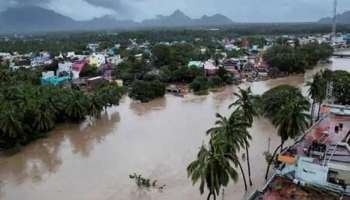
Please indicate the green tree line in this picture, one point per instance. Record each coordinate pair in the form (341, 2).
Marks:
(29, 111)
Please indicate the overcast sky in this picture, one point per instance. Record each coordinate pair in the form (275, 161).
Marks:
(237, 10)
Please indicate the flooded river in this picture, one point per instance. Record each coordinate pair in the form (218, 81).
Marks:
(92, 161)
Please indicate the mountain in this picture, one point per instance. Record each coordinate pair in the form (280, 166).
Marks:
(178, 18)
(214, 20)
(343, 18)
(36, 19)
(31, 18)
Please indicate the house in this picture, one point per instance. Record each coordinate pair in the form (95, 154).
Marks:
(49, 78)
(210, 68)
(93, 47)
(203, 50)
(115, 60)
(323, 155)
(5, 56)
(260, 62)
(107, 71)
(319, 162)
(70, 54)
(197, 64)
(97, 59)
(77, 67)
(42, 59)
(232, 65)
(138, 56)
(64, 68)
(112, 51)
(94, 82)
(18, 62)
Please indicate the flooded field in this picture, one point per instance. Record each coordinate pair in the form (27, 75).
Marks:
(92, 161)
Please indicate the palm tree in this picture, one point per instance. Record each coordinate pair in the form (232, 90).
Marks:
(10, 121)
(318, 91)
(245, 103)
(228, 135)
(77, 105)
(290, 117)
(212, 169)
(313, 92)
(43, 117)
(96, 105)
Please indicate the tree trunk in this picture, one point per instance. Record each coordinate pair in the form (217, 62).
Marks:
(209, 195)
(319, 109)
(223, 193)
(312, 112)
(270, 161)
(243, 175)
(248, 165)
(282, 144)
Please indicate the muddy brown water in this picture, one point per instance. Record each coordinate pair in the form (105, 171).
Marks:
(92, 160)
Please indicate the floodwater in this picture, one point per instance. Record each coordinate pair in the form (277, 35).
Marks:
(92, 161)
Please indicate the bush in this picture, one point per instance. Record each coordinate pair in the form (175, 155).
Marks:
(216, 81)
(89, 71)
(145, 91)
(199, 84)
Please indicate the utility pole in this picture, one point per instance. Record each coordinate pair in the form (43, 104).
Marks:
(334, 25)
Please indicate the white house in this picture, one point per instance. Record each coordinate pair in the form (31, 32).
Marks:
(64, 67)
(115, 60)
(97, 59)
(70, 54)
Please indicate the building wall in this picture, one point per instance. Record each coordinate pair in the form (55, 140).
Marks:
(311, 172)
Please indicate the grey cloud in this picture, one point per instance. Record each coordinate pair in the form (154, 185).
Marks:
(123, 8)
(30, 2)
(237, 10)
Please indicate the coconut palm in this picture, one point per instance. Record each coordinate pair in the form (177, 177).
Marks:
(43, 116)
(229, 135)
(212, 169)
(76, 107)
(10, 121)
(290, 117)
(96, 105)
(245, 103)
(317, 91)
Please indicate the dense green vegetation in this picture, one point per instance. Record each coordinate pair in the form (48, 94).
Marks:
(341, 87)
(29, 110)
(77, 41)
(146, 90)
(340, 82)
(297, 59)
(200, 84)
(89, 71)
